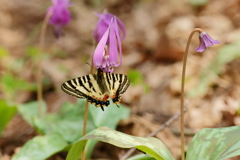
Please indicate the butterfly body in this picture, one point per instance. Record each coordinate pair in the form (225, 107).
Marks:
(98, 88)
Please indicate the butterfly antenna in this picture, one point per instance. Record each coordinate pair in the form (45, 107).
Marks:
(118, 106)
(102, 108)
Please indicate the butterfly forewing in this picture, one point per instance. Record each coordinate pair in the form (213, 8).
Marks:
(70, 88)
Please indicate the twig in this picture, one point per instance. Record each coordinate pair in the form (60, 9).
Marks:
(173, 118)
(39, 68)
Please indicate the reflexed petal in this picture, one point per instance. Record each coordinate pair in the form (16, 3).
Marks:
(113, 47)
(122, 30)
(100, 30)
(103, 23)
(118, 46)
(99, 51)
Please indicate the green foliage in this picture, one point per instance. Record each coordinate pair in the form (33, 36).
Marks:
(6, 113)
(32, 52)
(3, 52)
(149, 145)
(11, 85)
(136, 78)
(198, 2)
(29, 111)
(68, 122)
(141, 157)
(41, 147)
(227, 54)
(215, 144)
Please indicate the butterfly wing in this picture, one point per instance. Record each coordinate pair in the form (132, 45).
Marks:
(79, 87)
(87, 87)
(97, 88)
(117, 84)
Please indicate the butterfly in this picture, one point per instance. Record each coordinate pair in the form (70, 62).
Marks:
(98, 88)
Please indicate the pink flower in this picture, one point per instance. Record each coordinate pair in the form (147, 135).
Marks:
(103, 23)
(108, 52)
(205, 41)
(60, 15)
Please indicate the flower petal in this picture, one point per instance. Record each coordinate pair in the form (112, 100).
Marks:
(99, 51)
(205, 42)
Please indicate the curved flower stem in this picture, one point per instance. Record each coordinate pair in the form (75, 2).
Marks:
(39, 67)
(182, 89)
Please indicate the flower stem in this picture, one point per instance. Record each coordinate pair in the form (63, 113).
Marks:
(182, 89)
(86, 117)
(39, 67)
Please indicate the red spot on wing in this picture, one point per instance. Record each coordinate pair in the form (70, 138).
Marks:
(105, 97)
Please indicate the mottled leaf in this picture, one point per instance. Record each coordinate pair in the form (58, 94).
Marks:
(215, 144)
(150, 145)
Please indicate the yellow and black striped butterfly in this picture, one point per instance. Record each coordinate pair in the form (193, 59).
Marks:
(97, 88)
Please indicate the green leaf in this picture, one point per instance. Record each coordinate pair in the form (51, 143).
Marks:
(215, 144)
(227, 54)
(29, 111)
(7, 111)
(141, 157)
(41, 147)
(149, 145)
(101, 118)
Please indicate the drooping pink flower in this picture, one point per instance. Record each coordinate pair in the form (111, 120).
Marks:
(60, 15)
(205, 42)
(103, 23)
(108, 52)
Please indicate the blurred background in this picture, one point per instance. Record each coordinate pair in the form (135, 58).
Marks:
(157, 32)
